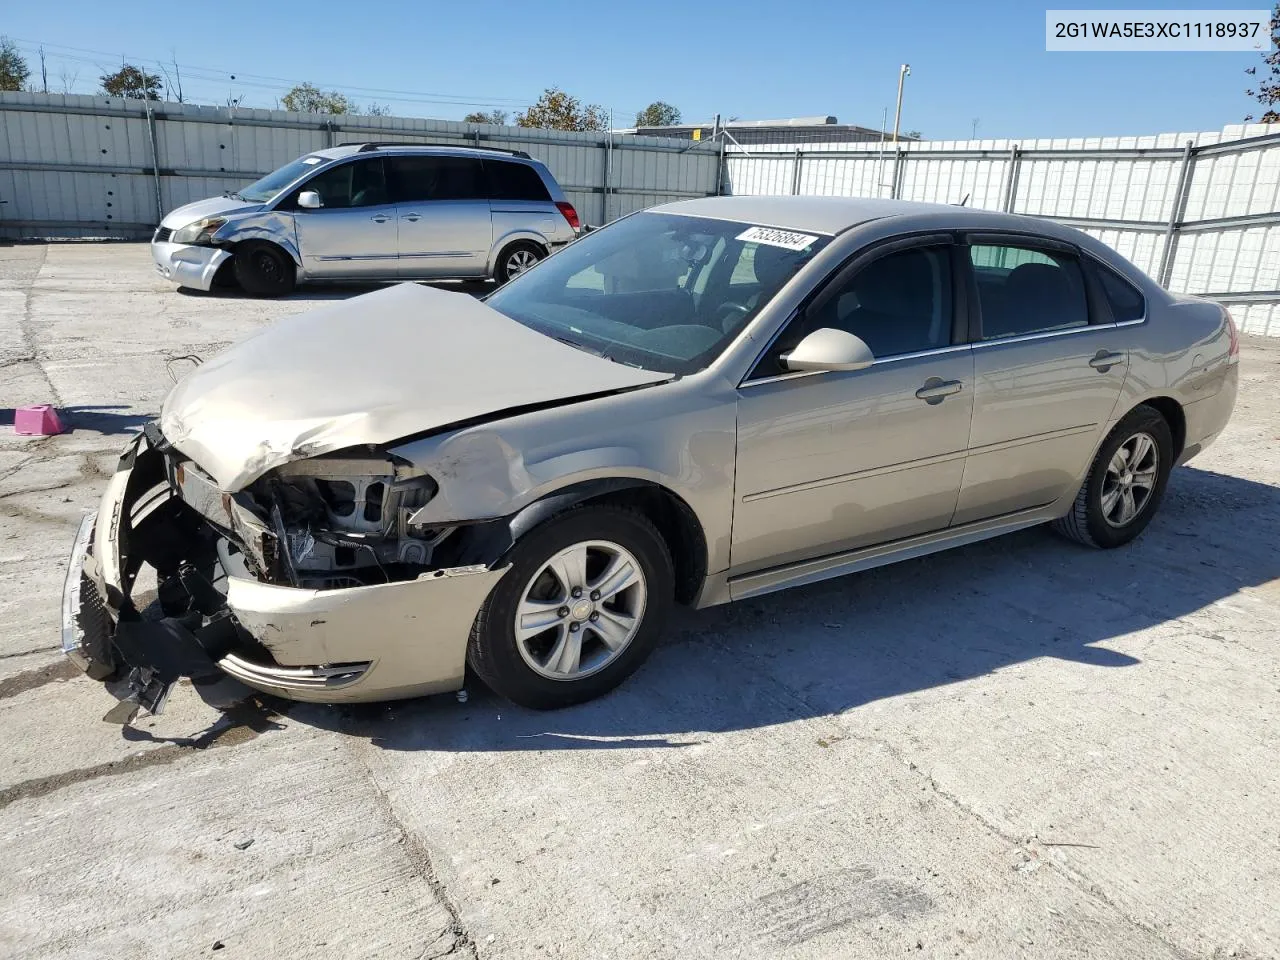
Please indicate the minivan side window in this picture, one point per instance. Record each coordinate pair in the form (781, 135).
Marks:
(361, 183)
(1023, 290)
(514, 181)
(416, 179)
(1126, 300)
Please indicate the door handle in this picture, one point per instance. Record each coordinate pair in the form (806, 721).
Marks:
(935, 390)
(412, 218)
(380, 218)
(1104, 360)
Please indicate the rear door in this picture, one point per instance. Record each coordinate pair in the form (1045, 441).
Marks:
(443, 212)
(354, 233)
(1049, 363)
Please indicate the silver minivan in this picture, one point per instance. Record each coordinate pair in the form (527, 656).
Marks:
(371, 211)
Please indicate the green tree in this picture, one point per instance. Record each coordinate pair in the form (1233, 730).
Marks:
(13, 68)
(377, 110)
(557, 110)
(131, 82)
(308, 98)
(493, 116)
(1268, 92)
(658, 114)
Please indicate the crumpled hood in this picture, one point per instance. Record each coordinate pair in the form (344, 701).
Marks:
(370, 370)
(213, 207)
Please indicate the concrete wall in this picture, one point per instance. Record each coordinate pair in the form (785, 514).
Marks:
(85, 166)
(1199, 211)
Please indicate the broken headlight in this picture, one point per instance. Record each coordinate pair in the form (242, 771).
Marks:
(339, 520)
(201, 231)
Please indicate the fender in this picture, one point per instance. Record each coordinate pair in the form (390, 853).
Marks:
(489, 541)
(270, 225)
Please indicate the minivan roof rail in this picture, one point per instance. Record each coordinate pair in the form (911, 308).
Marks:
(367, 147)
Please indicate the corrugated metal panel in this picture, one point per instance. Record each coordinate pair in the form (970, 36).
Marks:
(1129, 193)
(89, 158)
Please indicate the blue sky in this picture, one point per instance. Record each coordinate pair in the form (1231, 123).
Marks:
(756, 59)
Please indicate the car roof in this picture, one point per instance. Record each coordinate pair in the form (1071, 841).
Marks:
(349, 149)
(829, 215)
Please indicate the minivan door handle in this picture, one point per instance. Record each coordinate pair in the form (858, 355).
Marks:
(411, 217)
(380, 218)
(935, 390)
(1104, 360)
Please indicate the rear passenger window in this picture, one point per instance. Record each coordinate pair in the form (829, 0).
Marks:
(1023, 290)
(435, 178)
(1126, 300)
(514, 181)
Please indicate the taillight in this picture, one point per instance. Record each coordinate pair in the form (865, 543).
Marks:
(1234, 334)
(570, 214)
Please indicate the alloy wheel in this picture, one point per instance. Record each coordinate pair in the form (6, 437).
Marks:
(580, 610)
(520, 261)
(1130, 479)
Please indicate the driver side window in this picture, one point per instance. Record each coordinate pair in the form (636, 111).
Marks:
(899, 303)
(361, 183)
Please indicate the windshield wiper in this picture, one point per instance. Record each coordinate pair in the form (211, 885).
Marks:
(230, 195)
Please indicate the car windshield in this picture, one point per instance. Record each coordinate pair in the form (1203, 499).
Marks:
(266, 189)
(659, 291)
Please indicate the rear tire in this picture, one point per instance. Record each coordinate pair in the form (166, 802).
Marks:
(264, 270)
(566, 655)
(516, 258)
(1125, 483)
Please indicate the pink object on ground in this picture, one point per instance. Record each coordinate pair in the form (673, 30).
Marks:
(40, 420)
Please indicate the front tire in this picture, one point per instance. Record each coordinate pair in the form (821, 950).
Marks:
(264, 270)
(516, 258)
(1125, 483)
(585, 600)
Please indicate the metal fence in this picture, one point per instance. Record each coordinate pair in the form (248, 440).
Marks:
(84, 166)
(1200, 211)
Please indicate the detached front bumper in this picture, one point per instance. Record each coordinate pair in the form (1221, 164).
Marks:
(381, 642)
(188, 265)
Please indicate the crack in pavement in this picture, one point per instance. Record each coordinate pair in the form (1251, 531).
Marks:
(239, 724)
(420, 858)
(1076, 878)
(25, 329)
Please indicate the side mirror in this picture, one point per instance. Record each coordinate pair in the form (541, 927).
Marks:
(829, 349)
(309, 200)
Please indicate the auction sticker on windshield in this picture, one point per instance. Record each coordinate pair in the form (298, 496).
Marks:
(776, 238)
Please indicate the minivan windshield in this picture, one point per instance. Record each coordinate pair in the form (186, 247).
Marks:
(266, 189)
(657, 290)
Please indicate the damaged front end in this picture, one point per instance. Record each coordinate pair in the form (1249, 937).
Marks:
(313, 583)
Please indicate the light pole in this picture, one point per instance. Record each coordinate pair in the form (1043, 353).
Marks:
(904, 71)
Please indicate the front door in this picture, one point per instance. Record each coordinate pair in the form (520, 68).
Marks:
(443, 209)
(834, 461)
(353, 236)
(1048, 374)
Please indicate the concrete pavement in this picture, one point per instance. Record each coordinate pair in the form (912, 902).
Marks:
(1016, 749)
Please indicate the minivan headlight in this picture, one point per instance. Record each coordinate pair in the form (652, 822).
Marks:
(201, 231)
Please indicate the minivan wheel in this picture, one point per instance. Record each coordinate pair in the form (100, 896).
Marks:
(516, 259)
(585, 600)
(1125, 484)
(264, 270)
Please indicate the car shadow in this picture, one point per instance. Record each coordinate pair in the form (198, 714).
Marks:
(836, 646)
